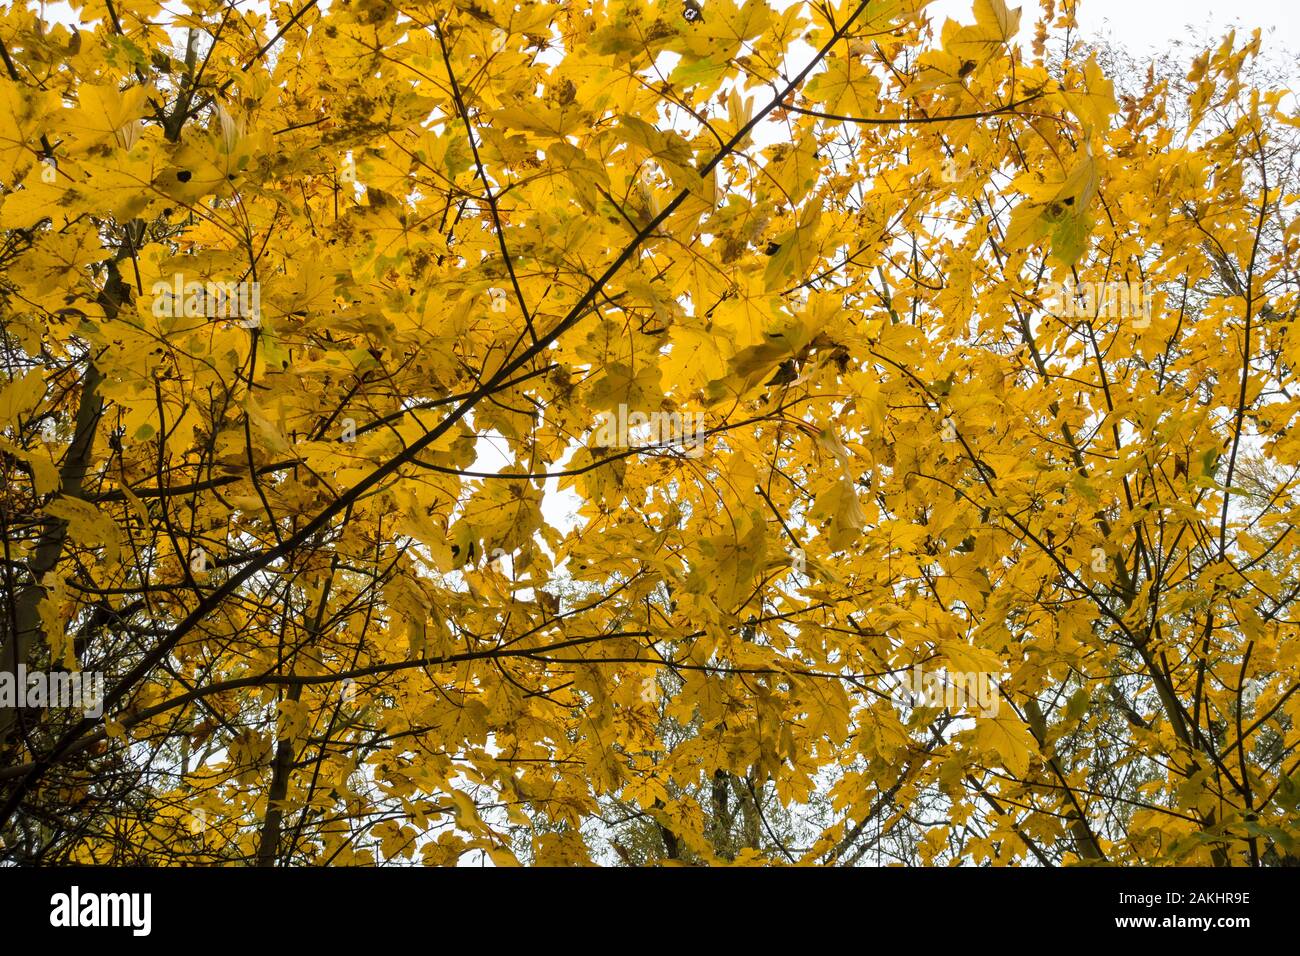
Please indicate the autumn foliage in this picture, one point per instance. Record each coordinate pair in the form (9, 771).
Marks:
(644, 432)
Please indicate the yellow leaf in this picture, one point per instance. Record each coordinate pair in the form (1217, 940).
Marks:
(1006, 740)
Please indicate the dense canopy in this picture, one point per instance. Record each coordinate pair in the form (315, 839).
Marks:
(641, 432)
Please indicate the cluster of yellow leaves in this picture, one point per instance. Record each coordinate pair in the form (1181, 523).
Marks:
(379, 590)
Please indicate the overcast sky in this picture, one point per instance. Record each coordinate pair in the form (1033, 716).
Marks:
(1152, 24)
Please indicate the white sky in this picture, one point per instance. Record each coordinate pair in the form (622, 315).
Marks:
(1143, 25)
